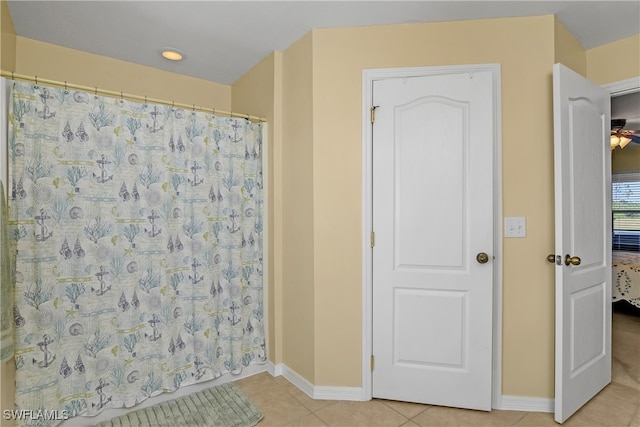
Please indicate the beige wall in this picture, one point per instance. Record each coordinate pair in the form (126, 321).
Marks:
(7, 39)
(626, 159)
(259, 92)
(62, 64)
(613, 62)
(568, 50)
(298, 142)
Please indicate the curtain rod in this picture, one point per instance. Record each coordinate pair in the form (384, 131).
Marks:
(115, 94)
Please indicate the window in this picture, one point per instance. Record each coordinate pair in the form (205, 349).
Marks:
(625, 198)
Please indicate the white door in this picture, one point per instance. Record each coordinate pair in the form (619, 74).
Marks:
(433, 142)
(583, 235)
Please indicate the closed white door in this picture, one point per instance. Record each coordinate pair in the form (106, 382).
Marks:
(433, 142)
(582, 159)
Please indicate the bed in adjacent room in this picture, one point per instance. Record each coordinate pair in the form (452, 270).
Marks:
(626, 278)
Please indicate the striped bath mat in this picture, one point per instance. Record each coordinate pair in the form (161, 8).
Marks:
(224, 406)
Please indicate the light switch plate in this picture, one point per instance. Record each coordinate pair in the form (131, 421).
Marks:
(515, 226)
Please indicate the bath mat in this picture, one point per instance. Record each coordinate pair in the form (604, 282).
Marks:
(224, 406)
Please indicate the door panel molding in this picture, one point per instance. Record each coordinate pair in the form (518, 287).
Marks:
(369, 76)
(452, 307)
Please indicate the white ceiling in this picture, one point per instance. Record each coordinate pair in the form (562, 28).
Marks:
(224, 39)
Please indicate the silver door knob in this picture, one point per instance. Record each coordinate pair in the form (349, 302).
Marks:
(482, 258)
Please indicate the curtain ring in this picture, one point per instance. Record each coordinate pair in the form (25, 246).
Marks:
(145, 99)
(194, 108)
(65, 87)
(12, 76)
(36, 80)
(121, 97)
(173, 104)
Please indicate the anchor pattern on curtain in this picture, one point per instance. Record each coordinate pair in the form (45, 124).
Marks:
(137, 230)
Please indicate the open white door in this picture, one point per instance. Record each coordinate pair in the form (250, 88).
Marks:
(583, 240)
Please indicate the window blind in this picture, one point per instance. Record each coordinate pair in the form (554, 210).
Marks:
(625, 198)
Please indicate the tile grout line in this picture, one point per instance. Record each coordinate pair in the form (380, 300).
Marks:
(400, 413)
(637, 412)
(311, 412)
(422, 412)
(521, 418)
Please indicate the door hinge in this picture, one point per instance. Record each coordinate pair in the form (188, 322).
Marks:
(373, 362)
(373, 113)
(373, 239)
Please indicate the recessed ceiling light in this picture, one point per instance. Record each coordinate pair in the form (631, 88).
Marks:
(172, 54)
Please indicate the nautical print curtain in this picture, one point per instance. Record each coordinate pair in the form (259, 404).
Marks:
(137, 233)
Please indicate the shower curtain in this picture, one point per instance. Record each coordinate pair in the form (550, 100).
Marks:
(137, 232)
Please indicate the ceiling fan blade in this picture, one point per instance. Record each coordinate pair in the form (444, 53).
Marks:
(634, 138)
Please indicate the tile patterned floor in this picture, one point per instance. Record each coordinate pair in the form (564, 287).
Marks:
(283, 404)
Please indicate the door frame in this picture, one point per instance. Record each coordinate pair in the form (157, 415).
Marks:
(623, 87)
(368, 77)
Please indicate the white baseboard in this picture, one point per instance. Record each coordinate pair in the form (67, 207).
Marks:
(508, 403)
(529, 404)
(298, 380)
(274, 370)
(339, 393)
(317, 392)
